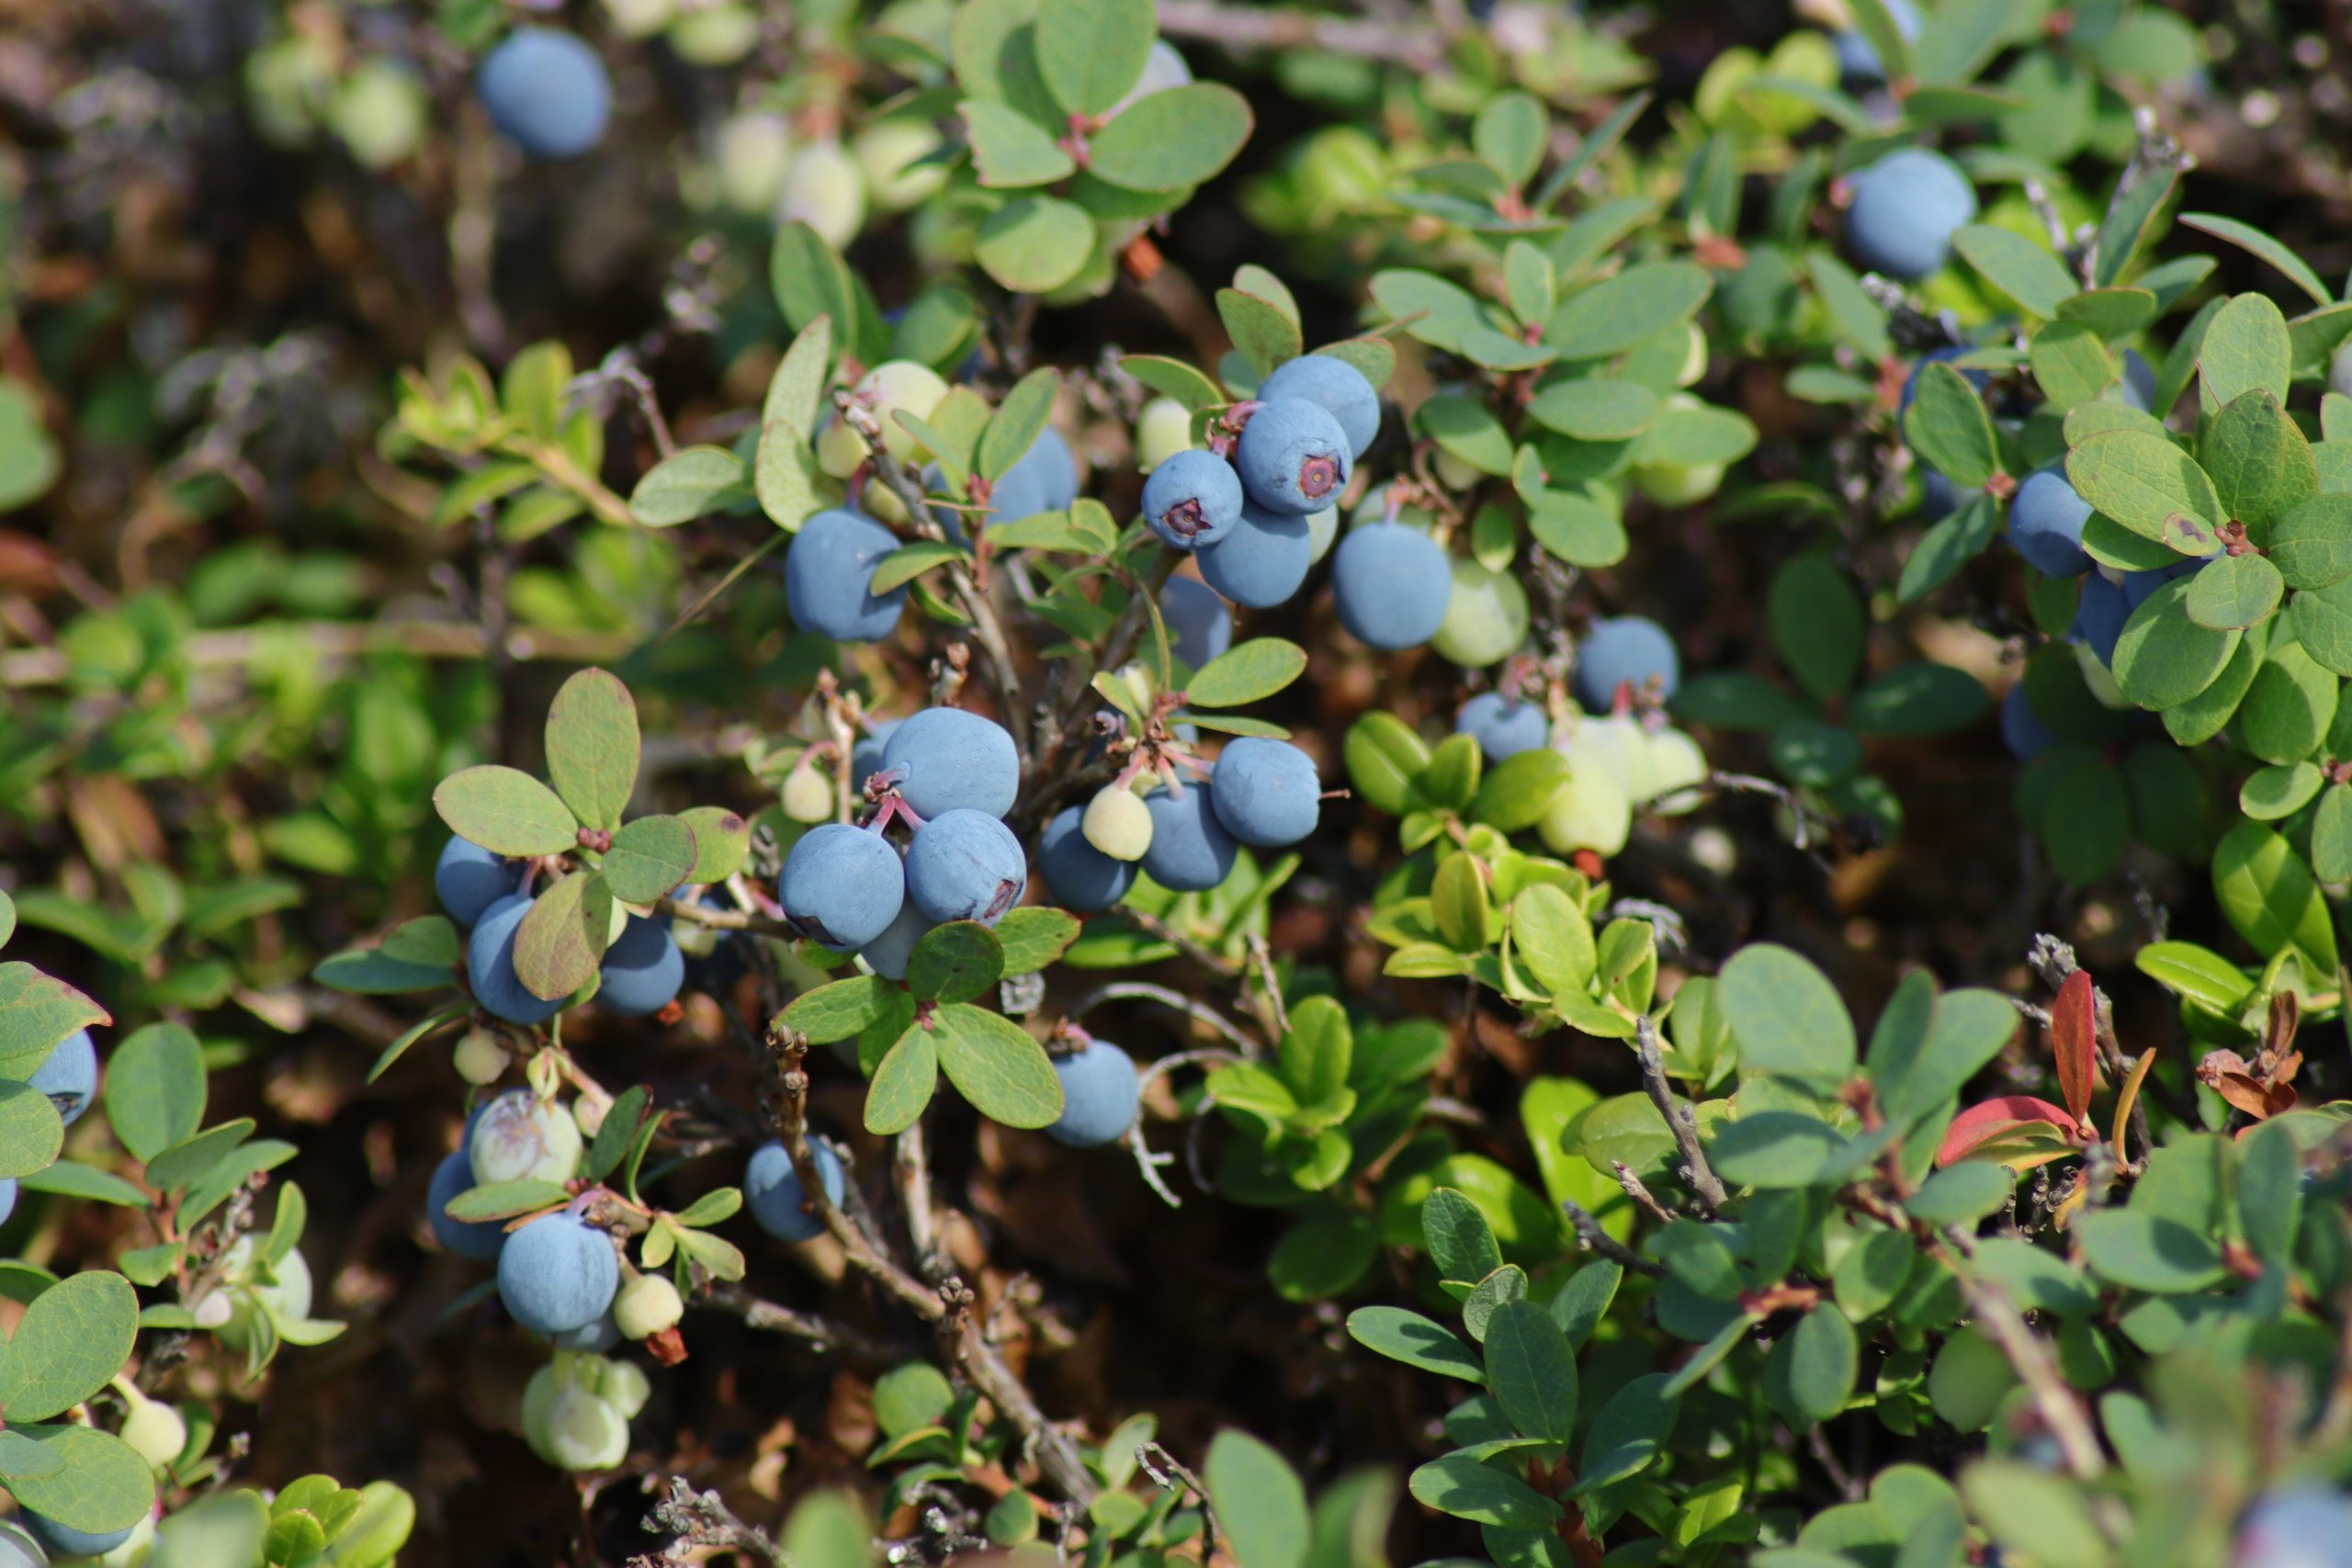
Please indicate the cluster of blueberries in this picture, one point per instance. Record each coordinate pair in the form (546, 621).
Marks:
(2045, 527)
(1256, 515)
(484, 894)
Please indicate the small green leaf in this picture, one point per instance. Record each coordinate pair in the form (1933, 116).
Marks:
(722, 842)
(1810, 1373)
(689, 483)
(2233, 592)
(1786, 1015)
(562, 940)
(155, 1089)
(1034, 245)
(31, 1131)
(1595, 409)
(1255, 669)
(955, 962)
(102, 1486)
(2245, 349)
(1263, 333)
(998, 1067)
(190, 1158)
(2142, 1251)
(1009, 148)
(505, 1200)
(836, 1011)
(2163, 657)
(1530, 1371)
(1463, 1486)
(2016, 267)
(2310, 542)
(1634, 305)
(74, 1336)
(2141, 480)
(1032, 937)
(1946, 426)
(1261, 1504)
(903, 1084)
(1417, 1341)
(1171, 141)
(651, 858)
(1515, 795)
(506, 812)
(1091, 52)
(2255, 242)
(797, 391)
(592, 745)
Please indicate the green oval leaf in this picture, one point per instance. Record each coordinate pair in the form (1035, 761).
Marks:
(1785, 1014)
(73, 1337)
(997, 1065)
(506, 811)
(1171, 141)
(1255, 669)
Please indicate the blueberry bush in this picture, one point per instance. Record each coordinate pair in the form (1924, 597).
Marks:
(835, 782)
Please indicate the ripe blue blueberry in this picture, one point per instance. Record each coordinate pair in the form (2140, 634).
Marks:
(490, 966)
(778, 1202)
(63, 1540)
(548, 90)
(1192, 499)
(2099, 615)
(557, 1274)
(1293, 456)
(1337, 387)
(1100, 1093)
(480, 1240)
(1630, 650)
(2308, 1525)
(2046, 519)
(1504, 726)
(7, 1198)
(865, 756)
(829, 576)
(2139, 388)
(1904, 208)
(1191, 851)
(947, 758)
(470, 879)
(1939, 497)
(966, 866)
(1266, 792)
(1390, 584)
(1079, 876)
(69, 1074)
(841, 886)
(1262, 561)
(642, 970)
(2021, 728)
(1199, 625)
(887, 954)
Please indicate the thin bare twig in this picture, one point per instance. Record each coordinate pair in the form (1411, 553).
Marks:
(769, 1317)
(1592, 1239)
(1144, 990)
(1640, 1194)
(1678, 1119)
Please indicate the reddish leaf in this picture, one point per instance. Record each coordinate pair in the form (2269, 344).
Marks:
(1995, 1117)
(2074, 1040)
(2228, 1075)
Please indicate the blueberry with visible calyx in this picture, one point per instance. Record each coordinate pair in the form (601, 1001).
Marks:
(1293, 456)
(1630, 651)
(1192, 499)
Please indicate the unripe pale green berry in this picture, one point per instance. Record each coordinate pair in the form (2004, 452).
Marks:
(715, 35)
(1695, 362)
(808, 797)
(824, 189)
(479, 1058)
(647, 1305)
(1591, 813)
(626, 1387)
(380, 113)
(639, 18)
(521, 1138)
(1162, 430)
(1117, 823)
(752, 149)
(1486, 617)
(153, 1429)
(1614, 745)
(572, 1428)
(840, 449)
(886, 149)
(898, 386)
(1322, 533)
(1678, 484)
(1676, 768)
(882, 504)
